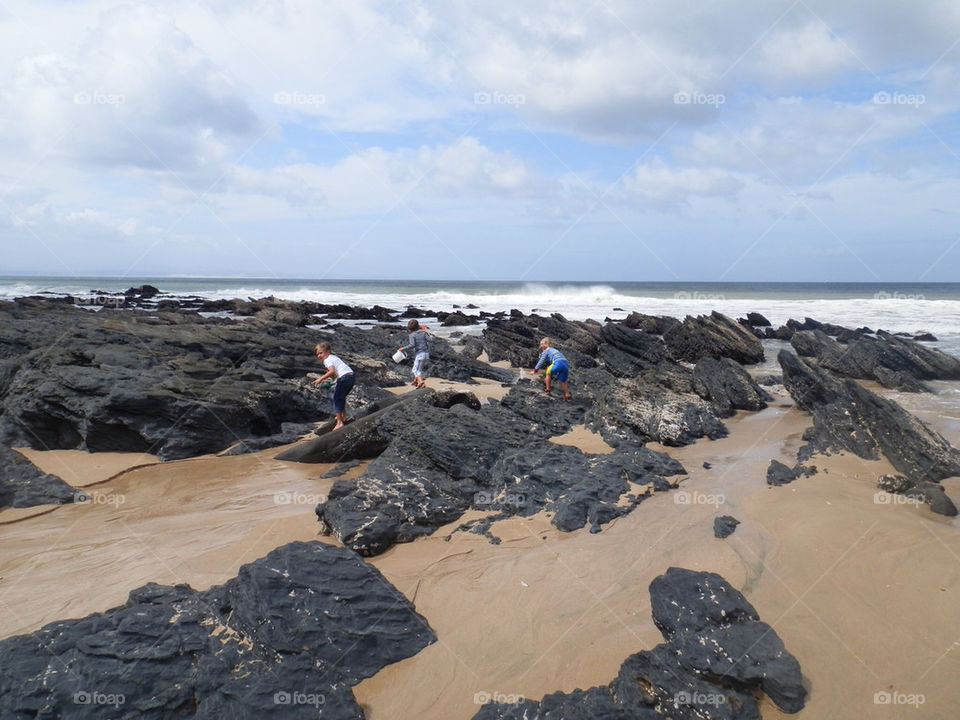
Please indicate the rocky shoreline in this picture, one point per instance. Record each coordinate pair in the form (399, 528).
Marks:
(157, 376)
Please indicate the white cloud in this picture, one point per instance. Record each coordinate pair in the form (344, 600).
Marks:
(809, 52)
(95, 219)
(116, 119)
(136, 93)
(662, 186)
(376, 180)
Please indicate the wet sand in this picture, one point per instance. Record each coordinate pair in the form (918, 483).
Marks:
(190, 521)
(842, 579)
(865, 594)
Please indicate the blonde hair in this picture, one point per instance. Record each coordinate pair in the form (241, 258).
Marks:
(322, 347)
(546, 342)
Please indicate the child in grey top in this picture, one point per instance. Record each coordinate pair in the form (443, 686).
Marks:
(418, 346)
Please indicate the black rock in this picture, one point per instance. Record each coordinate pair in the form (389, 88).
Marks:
(780, 474)
(289, 433)
(624, 352)
(716, 655)
(178, 384)
(439, 462)
(412, 312)
(724, 526)
(517, 339)
(655, 324)
(341, 468)
(456, 319)
(925, 337)
(144, 291)
(847, 416)
(22, 484)
(930, 493)
(893, 361)
(768, 380)
(807, 324)
(727, 386)
(894, 483)
(899, 380)
(286, 638)
(715, 336)
(657, 405)
(755, 319)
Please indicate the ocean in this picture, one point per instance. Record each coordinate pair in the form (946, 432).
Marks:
(897, 307)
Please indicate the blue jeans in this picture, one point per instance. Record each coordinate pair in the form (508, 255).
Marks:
(344, 385)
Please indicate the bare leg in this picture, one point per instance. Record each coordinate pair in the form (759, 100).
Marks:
(566, 391)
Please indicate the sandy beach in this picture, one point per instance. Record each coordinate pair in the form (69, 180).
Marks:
(843, 578)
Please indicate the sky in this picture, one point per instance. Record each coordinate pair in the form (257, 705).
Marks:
(633, 140)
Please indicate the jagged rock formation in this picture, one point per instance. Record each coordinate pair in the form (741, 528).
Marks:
(713, 335)
(717, 654)
(849, 417)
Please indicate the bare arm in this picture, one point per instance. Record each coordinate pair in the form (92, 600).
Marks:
(328, 374)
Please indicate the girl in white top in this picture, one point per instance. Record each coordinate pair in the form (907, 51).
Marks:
(339, 369)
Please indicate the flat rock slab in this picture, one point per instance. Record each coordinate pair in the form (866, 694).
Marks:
(287, 638)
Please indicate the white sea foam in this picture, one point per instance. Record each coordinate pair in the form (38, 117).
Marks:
(889, 310)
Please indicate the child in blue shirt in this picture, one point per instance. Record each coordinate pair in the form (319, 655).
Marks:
(557, 367)
(421, 351)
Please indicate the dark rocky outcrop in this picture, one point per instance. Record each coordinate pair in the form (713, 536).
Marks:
(658, 405)
(755, 319)
(655, 324)
(927, 492)
(727, 386)
(286, 638)
(849, 417)
(456, 319)
(22, 484)
(178, 384)
(438, 462)
(625, 352)
(359, 439)
(768, 380)
(289, 433)
(713, 335)
(717, 654)
(895, 362)
(780, 474)
(724, 526)
(517, 338)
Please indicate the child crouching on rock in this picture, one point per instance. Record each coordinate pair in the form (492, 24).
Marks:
(421, 351)
(339, 369)
(557, 367)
